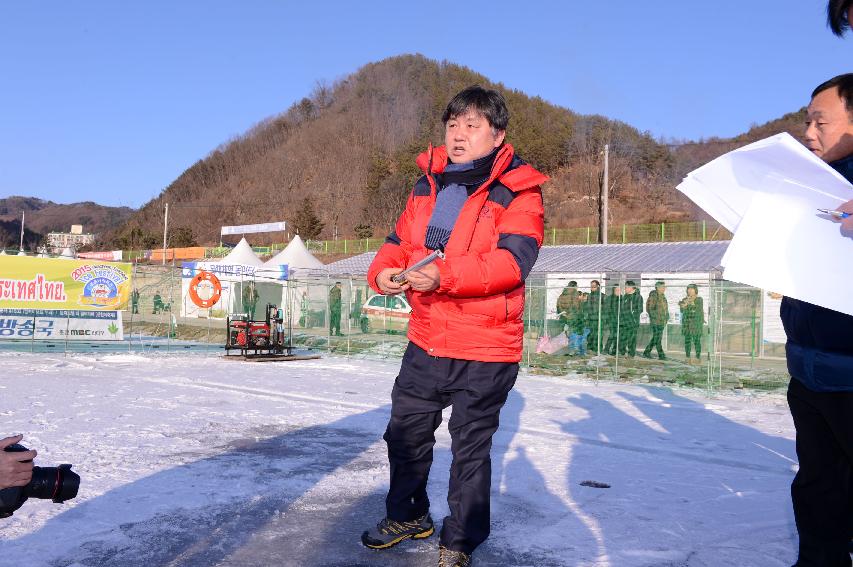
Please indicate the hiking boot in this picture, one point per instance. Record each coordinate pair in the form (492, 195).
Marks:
(389, 533)
(450, 558)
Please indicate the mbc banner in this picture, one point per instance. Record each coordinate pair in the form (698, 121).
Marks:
(53, 283)
(60, 325)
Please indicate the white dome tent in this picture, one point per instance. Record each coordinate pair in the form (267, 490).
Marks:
(67, 254)
(296, 257)
(241, 255)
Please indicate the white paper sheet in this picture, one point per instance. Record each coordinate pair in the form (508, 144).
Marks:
(769, 192)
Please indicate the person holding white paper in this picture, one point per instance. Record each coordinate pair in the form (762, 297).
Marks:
(819, 354)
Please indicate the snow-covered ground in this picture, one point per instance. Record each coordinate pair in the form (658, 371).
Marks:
(193, 460)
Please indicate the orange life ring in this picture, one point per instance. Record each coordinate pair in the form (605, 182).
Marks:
(217, 289)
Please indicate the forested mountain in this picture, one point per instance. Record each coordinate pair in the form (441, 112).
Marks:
(341, 161)
(46, 216)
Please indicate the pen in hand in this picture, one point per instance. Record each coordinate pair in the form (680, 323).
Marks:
(401, 277)
(835, 214)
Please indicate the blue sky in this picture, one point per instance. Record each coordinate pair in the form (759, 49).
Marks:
(111, 101)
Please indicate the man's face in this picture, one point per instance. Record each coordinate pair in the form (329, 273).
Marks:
(629, 289)
(661, 288)
(829, 130)
(691, 292)
(469, 137)
(594, 286)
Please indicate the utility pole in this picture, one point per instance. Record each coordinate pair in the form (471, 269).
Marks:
(602, 198)
(23, 215)
(165, 229)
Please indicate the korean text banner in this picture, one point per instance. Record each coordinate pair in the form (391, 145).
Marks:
(49, 324)
(54, 283)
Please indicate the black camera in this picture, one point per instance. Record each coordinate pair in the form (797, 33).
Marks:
(57, 483)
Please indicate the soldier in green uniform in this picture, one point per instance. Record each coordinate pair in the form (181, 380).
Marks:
(335, 310)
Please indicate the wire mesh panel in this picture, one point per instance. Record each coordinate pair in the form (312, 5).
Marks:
(685, 329)
(672, 328)
(160, 316)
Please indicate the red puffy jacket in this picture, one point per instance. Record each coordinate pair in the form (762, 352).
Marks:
(476, 313)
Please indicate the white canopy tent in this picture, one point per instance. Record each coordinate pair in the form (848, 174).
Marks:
(67, 254)
(241, 255)
(296, 257)
(301, 264)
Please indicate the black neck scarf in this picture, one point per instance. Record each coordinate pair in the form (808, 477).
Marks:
(471, 174)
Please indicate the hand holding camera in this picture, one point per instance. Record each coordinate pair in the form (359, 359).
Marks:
(16, 469)
(20, 480)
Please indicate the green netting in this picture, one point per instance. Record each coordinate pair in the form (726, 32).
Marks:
(633, 233)
(740, 336)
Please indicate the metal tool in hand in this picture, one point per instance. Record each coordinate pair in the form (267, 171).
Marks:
(401, 277)
(835, 214)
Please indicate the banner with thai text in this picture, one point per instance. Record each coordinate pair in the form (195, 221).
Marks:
(56, 283)
(61, 325)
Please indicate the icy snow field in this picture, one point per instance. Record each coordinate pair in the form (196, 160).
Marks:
(192, 460)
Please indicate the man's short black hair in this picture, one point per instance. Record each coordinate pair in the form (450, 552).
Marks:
(844, 83)
(836, 16)
(489, 103)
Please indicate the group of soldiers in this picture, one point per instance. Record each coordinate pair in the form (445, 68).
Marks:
(586, 315)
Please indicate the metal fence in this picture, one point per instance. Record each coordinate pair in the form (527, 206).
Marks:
(625, 233)
(597, 337)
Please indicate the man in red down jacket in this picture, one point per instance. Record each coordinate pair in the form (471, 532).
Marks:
(482, 205)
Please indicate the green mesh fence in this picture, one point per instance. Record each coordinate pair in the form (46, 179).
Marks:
(576, 333)
(618, 234)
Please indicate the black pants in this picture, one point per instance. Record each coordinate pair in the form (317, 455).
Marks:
(822, 491)
(657, 336)
(425, 386)
(695, 340)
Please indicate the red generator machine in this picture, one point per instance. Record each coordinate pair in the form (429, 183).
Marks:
(258, 337)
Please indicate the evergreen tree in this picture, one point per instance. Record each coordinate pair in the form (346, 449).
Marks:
(363, 230)
(182, 237)
(306, 222)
